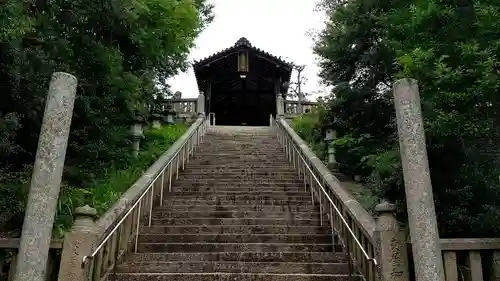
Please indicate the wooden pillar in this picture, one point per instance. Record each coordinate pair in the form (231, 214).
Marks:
(208, 97)
(277, 94)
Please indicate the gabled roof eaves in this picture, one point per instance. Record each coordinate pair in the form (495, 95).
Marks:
(241, 43)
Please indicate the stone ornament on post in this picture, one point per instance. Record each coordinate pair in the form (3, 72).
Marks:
(137, 135)
(390, 241)
(157, 118)
(330, 137)
(78, 243)
(280, 106)
(418, 188)
(300, 107)
(170, 114)
(200, 105)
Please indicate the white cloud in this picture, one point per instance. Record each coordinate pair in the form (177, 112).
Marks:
(276, 26)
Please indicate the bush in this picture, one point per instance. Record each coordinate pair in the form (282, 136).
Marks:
(452, 49)
(308, 127)
(101, 194)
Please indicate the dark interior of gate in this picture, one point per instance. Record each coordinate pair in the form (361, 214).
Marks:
(241, 84)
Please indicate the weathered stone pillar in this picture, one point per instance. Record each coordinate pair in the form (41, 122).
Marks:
(137, 135)
(496, 266)
(46, 179)
(419, 198)
(330, 137)
(200, 104)
(156, 122)
(77, 244)
(391, 244)
(300, 107)
(280, 106)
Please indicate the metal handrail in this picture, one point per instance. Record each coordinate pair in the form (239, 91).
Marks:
(312, 174)
(138, 202)
(344, 221)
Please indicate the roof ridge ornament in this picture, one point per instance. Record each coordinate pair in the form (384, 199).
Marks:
(243, 42)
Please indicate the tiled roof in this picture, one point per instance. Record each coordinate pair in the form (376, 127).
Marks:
(242, 42)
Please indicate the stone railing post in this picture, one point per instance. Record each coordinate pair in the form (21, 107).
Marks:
(390, 241)
(300, 107)
(200, 104)
(330, 137)
(78, 243)
(280, 106)
(137, 135)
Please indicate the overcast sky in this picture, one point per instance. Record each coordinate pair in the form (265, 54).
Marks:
(279, 27)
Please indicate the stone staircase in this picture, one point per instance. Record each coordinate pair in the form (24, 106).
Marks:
(238, 212)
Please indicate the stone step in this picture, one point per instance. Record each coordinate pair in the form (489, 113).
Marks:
(240, 257)
(238, 148)
(239, 171)
(236, 238)
(235, 221)
(262, 161)
(240, 158)
(233, 247)
(253, 135)
(236, 229)
(238, 177)
(209, 196)
(233, 277)
(241, 155)
(234, 267)
(265, 162)
(240, 165)
(248, 183)
(221, 201)
(234, 214)
(232, 189)
(276, 167)
(231, 207)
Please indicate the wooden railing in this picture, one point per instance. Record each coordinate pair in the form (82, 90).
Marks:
(471, 259)
(8, 255)
(468, 259)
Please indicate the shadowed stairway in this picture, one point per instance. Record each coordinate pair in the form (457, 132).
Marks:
(238, 212)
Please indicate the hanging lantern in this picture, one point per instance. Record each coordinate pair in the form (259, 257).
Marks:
(243, 64)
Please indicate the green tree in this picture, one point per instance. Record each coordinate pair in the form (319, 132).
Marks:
(452, 49)
(120, 51)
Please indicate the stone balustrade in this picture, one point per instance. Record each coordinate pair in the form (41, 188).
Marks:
(471, 259)
(186, 108)
(8, 253)
(294, 108)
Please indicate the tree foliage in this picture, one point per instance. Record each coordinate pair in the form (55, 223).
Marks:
(453, 49)
(120, 51)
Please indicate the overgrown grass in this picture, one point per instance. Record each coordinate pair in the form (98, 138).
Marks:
(308, 127)
(101, 194)
(106, 192)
